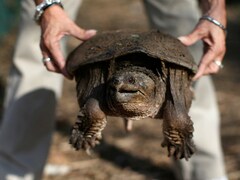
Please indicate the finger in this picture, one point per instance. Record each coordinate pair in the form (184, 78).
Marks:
(50, 65)
(208, 70)
(82, 34)
(203, 64)
(207, 64)
(191, 38)
(58, 61)
(213, 67)
(45, 52)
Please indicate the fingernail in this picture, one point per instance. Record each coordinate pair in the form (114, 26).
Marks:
(196, 77)
(91, 32)
(182, 38)
(66, 74)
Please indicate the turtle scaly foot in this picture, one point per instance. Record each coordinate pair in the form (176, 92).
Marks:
(179, 145)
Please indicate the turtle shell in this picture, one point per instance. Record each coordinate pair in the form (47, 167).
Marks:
(112, 44)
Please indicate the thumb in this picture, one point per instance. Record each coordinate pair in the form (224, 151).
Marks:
(82, 34)
(89, 33)
(190, 39)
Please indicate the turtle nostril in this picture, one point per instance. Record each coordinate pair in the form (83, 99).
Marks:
(131, 80)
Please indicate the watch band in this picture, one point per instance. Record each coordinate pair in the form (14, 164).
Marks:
(39, 10)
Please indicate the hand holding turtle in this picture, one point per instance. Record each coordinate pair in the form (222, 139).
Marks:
(211, 30)
(55, 24)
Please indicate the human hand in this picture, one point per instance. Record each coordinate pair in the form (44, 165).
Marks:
(55, 24)
(214, 40)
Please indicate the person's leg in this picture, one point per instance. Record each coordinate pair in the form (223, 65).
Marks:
(32, 92)
(179, 18)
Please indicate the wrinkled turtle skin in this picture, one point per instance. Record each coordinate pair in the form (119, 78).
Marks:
(133, 74)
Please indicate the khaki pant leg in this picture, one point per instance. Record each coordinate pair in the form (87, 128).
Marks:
(32, 92)
(179, 17)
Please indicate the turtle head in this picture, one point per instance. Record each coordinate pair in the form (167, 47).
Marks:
(133, 93)
(131, 87)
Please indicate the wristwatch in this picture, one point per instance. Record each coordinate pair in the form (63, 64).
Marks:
(43, 6)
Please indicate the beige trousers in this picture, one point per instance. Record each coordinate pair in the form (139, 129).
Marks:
(179, 17)
(32, 92)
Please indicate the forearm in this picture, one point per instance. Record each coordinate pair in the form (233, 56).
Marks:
(215, 9)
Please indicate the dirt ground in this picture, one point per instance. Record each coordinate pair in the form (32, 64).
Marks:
(138, 155)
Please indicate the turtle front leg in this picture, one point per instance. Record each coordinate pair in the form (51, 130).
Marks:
(177, 125)
(178, 133)
(87, 131)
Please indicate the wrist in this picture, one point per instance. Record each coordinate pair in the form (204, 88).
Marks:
(215, 9)
(42, 6)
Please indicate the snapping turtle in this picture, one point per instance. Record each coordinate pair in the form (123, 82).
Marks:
(133, 74)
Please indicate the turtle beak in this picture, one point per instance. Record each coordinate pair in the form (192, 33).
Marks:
(126, 89)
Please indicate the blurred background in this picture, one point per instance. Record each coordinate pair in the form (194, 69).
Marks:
(138, 155)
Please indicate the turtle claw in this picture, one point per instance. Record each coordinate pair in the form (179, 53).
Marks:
(76, 138)
(80, 141)
(85, 140)
(178, 145)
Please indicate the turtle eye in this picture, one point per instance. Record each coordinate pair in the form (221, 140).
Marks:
(131, 80)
